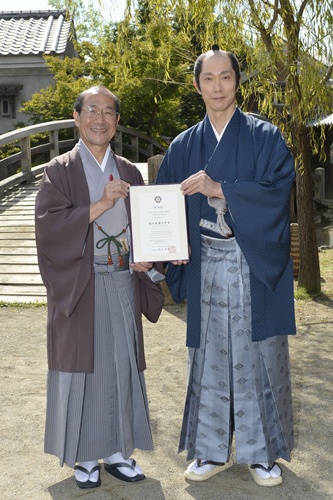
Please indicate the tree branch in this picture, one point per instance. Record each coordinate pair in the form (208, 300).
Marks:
(302, 8)
(328, 75)
(255, 15)
(265, 34)
(275, 15)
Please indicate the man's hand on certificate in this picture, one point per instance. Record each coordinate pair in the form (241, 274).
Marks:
(200, 182)
(141, 267)
(180, 262)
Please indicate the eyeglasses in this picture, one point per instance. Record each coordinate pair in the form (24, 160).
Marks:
(108, 113)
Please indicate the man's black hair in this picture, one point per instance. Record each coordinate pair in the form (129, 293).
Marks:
(202, 57)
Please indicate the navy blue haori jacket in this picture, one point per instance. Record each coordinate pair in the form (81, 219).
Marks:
(256, 171)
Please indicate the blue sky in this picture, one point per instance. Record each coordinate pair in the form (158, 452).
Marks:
(33, 5)
(118, 6)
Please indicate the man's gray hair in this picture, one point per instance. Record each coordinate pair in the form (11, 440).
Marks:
(95, 89)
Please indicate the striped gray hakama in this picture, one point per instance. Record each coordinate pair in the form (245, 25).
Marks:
(235, 385)
(92, 416)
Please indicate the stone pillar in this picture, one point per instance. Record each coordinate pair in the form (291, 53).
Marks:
(153, 165)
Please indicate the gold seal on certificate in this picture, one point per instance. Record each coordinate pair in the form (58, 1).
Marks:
(158, 223)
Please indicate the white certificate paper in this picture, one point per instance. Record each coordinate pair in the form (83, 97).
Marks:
(158, 223)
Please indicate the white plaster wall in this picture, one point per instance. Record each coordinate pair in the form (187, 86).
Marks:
(29, 71)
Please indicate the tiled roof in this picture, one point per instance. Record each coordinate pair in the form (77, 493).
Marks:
(327, 120)
(33, 32)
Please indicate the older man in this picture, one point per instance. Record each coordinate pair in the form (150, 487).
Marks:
(236, 173)
(96, 397)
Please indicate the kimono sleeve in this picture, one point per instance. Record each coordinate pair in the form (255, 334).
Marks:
(151, 297)
(258, 211)
(61, 237)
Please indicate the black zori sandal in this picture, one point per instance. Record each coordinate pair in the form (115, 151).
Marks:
(88, 483)
(113, 470)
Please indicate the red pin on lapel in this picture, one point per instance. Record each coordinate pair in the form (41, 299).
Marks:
(111, 177)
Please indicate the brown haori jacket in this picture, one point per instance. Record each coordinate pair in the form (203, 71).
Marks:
(64, 239)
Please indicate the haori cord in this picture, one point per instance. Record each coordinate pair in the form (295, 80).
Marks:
(108, 240)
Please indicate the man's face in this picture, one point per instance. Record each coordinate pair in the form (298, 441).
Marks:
(97, 131)
(218, 83)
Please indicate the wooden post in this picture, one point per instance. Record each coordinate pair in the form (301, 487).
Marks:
(118, 149)
(76, 133)
(135, 144)
(26, 155)
(54, 143)
(150, 149)
(153, 165)
(321, 184)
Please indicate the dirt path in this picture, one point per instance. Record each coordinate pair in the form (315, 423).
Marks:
(26, 473)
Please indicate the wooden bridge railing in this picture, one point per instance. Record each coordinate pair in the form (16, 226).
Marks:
(19, 168)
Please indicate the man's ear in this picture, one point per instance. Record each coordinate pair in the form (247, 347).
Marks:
(196, 87)
(76, 117)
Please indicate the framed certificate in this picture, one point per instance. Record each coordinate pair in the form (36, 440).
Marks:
(158, 223)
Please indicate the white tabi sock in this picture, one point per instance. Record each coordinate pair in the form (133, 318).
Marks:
(118, 458)
(275, 472)
(82, 476)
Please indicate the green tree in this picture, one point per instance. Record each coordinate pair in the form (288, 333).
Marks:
(143, 59)
(285, 52)
(153, 75)
(289, 68)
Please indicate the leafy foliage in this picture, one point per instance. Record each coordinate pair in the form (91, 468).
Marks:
(285, 52)
(147, 58)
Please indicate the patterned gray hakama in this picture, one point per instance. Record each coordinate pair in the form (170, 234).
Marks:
(92, 416)
(235, 385)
